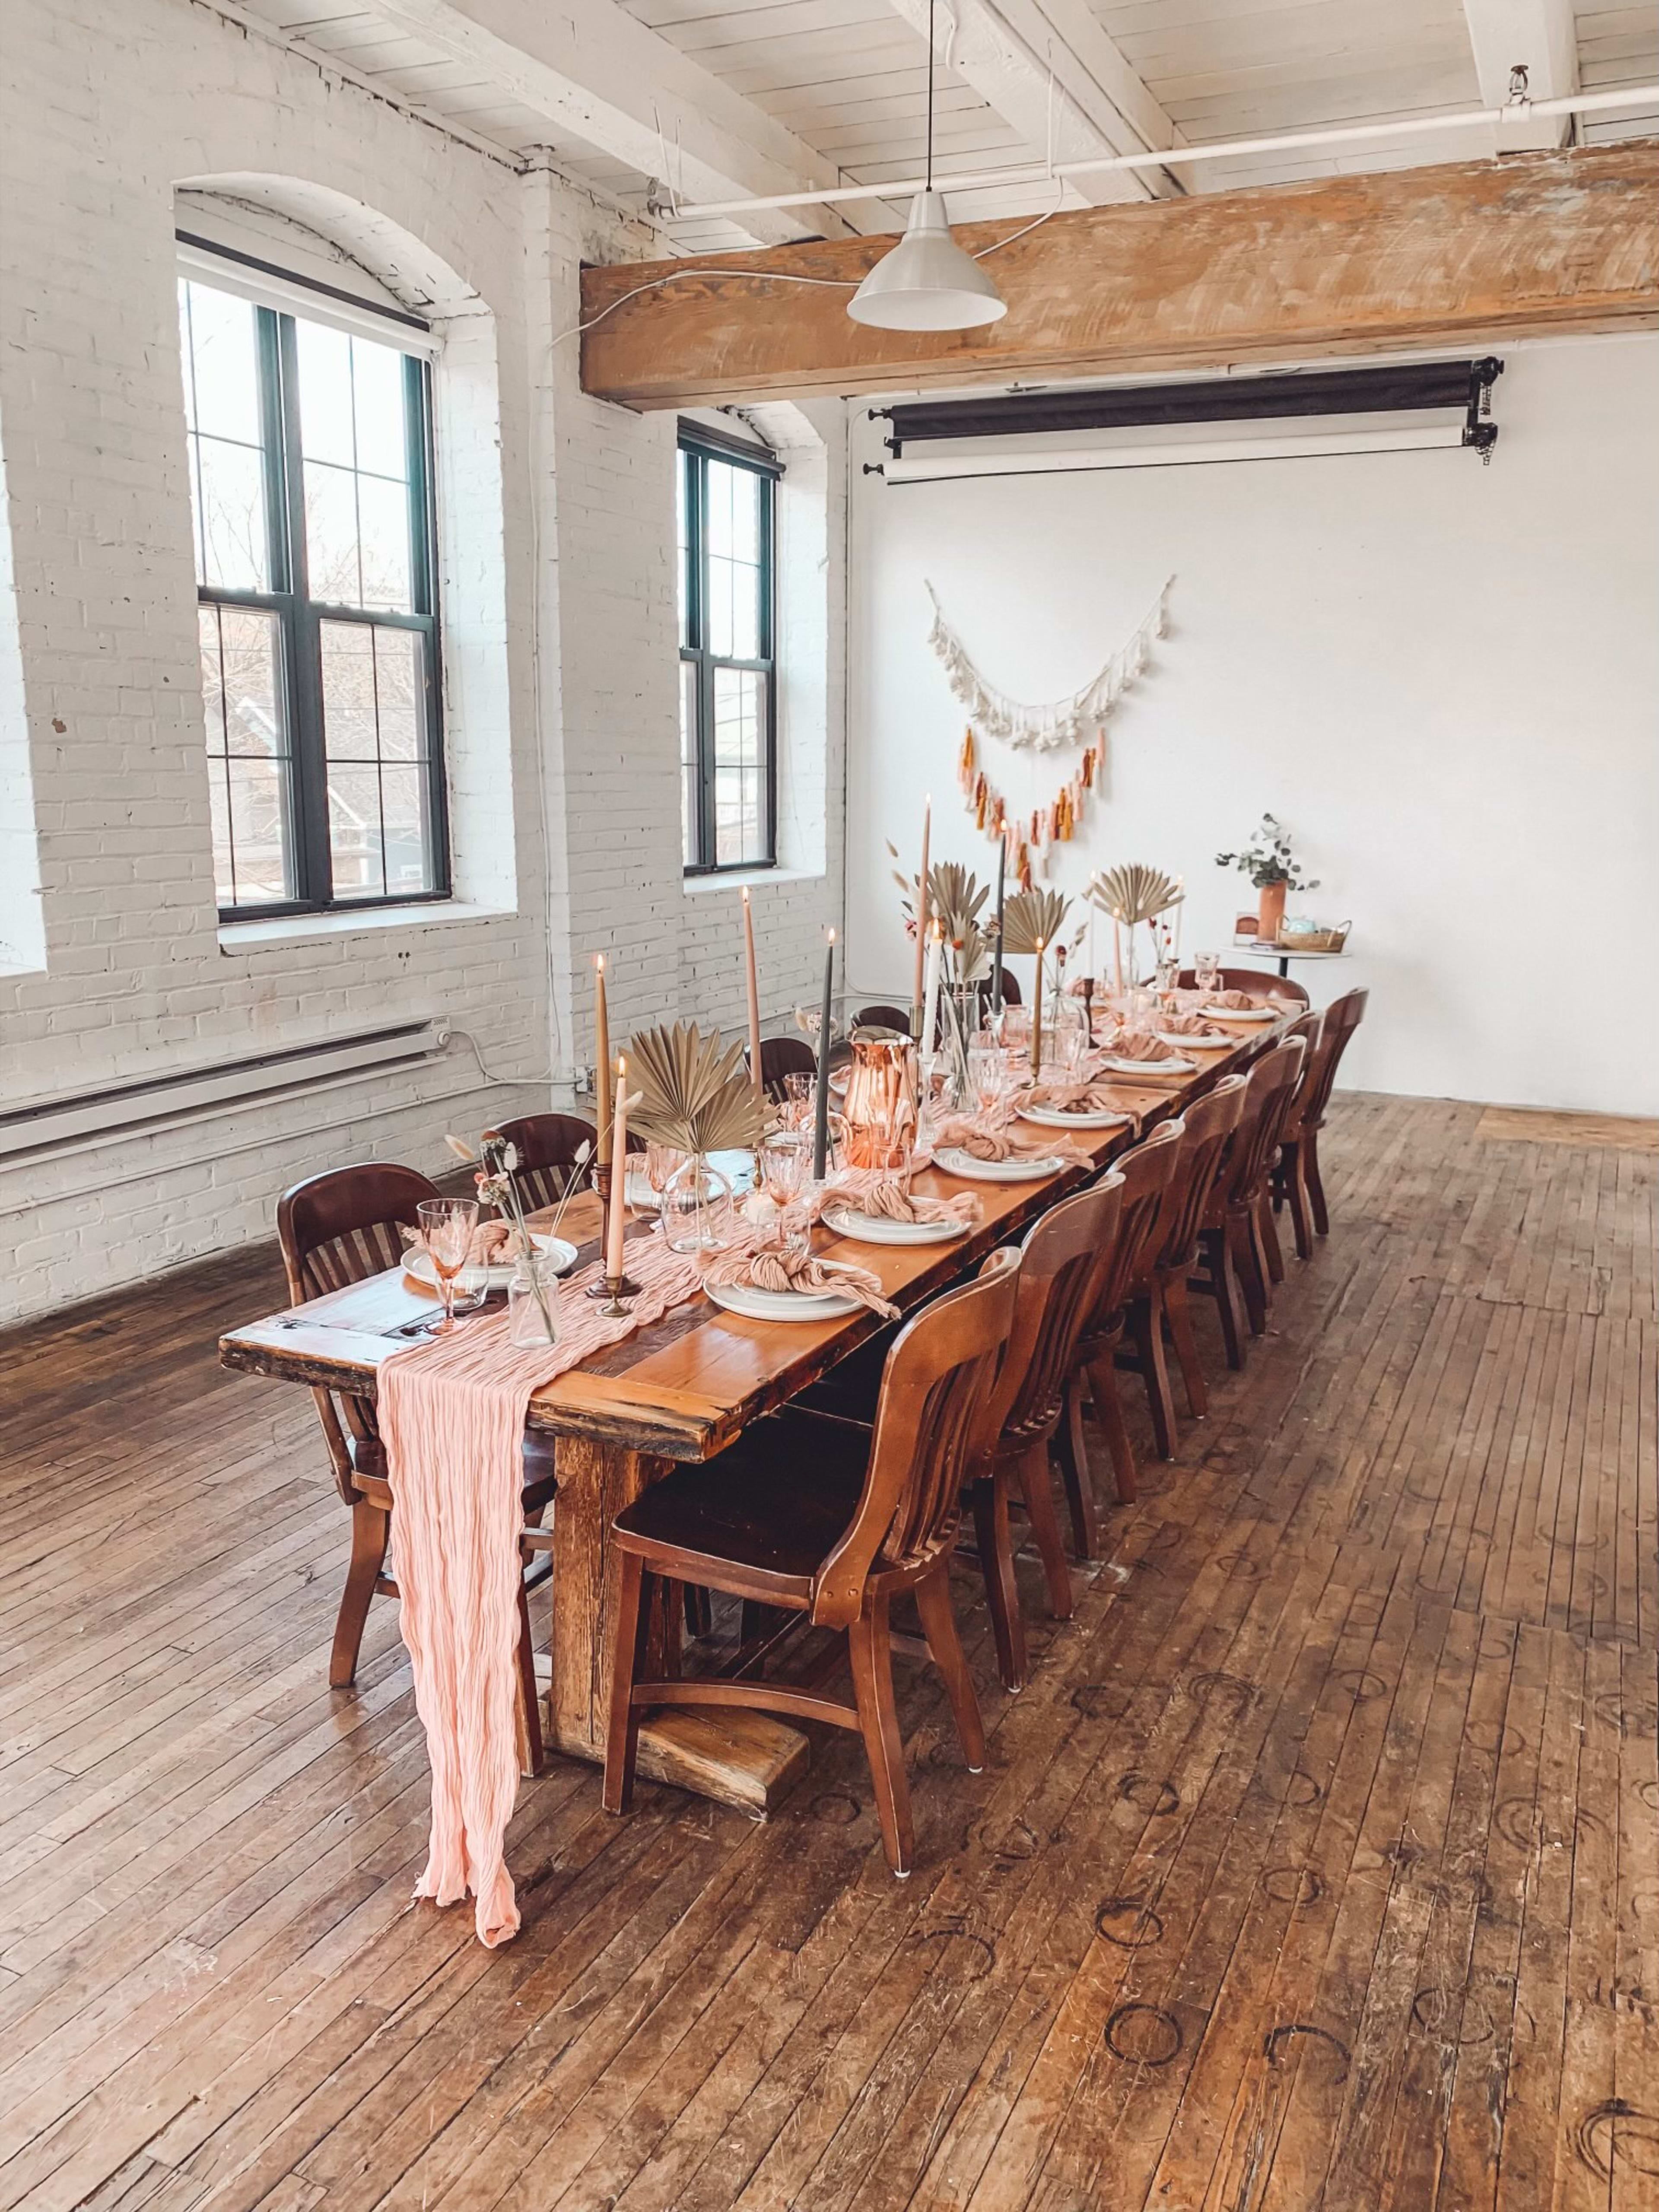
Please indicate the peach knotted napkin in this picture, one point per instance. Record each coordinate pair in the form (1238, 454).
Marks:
(1231, 1000)
(1141, 1047)
(1070, 1098)
(452, 1417)
(885, 1198)
(776, 1269)
(980, 1140)
(1195, 1027)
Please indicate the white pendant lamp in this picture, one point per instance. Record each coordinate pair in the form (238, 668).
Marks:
(928, 283)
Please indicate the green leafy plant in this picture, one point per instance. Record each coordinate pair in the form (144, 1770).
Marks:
(1267, 858)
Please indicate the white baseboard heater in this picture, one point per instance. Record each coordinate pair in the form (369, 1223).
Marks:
(80, 1119)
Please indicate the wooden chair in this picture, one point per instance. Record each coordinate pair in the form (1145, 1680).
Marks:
(1263, 983)
(1231, 1239)
(1010, 990)
(880, 1017)
(1147, 1172)
(1060, 1262)
(547, 1145)
(785, 1055)
(1297, 1174)
(1207, 1127)
(335, 1229)
(827, 1521)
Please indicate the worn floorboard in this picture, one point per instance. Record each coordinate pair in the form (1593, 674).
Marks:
(1318, 1865)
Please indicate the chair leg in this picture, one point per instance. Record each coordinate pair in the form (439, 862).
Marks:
(872, 1685)
(1295, 1191)
(370, 1527)
(1146, 1323)
(1179, 1315)
(1109, 1412)
(1037, 1488)
(939, 1625)
(1241, 1246)
(622, 1739)
(1228, 1300)
(528, 1718)
(1267, 1235)
(1072, 1451)
(1321, 1219)
(989, 1500)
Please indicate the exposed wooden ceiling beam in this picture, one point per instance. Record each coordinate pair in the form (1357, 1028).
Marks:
(1004, 49)
(1466, 253)
(1541, 37)
(606, 79)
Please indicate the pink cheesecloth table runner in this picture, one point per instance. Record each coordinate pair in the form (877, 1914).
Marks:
(452, 1417)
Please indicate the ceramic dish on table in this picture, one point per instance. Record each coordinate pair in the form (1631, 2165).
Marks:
(845, 1220)
(1155, 1070)
(1056, 1117)
(781, 1305)
(417, 1266)
(640, 1195)
(1021, 1167)
(1236, 1013)
(1179, 1044)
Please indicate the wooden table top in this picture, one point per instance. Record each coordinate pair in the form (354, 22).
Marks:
(684, 1388)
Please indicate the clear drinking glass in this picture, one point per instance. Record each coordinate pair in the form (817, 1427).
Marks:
(988, 1075)
(784, 1160)
(446, 1227)
(796, 1107)
(1207, 972)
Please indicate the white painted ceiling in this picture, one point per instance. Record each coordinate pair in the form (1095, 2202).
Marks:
(811, 92)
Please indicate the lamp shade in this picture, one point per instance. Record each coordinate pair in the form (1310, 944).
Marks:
(926, 283)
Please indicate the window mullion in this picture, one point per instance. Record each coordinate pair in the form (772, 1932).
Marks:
(313, 870)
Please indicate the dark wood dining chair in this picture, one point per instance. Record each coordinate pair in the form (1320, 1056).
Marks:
(828, 1521)
(781, 1056)
(1060, 1260)
(1207, 1127)
(547, 1145)
(1307, 1027)
(1010, 991)
(334, 1228)
(1147, 1171)
(1263, 984)
(1297, 1176)
(1229, 1241)
(882, 1018)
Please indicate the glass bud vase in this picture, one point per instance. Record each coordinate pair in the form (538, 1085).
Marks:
(532, 1301)
(696, 1206)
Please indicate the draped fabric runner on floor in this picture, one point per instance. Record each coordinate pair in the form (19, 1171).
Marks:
(452, 1414)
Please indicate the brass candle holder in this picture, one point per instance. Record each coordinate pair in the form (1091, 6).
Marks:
(616, 1288)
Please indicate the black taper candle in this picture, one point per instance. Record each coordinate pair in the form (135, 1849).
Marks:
(821, 1118)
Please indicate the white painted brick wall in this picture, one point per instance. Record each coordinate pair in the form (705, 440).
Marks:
(562, 706)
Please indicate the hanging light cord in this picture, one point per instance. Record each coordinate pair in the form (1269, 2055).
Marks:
(929, 185)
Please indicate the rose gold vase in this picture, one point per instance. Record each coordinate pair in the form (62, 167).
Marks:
(1270, 912)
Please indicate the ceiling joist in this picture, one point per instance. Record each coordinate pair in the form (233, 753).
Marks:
(1466, 254)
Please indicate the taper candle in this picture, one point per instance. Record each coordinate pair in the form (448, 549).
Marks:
(926, 1041)
(618, 1222)
(1037, 1019)
(601, 1060)
(1118, 952)
(1181, 902)
(996, 942)
(922, 900)
(754, 994)
(821, 1114)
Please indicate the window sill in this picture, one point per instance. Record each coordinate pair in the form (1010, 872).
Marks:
(317, 928)
(734, 879)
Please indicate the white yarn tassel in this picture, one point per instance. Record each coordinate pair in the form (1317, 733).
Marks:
(1071, 721)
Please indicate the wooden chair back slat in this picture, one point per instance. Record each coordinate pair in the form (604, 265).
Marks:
(1147, 1171)
(1267, 985)
(931, 1427)
(547, 1145)
(1270, 1089)
(1207, 1127)
(781, 1056)
(1340, 1019)
(1061, 1262)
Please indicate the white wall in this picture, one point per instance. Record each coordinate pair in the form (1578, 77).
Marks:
(562, 707)
(1445, 678)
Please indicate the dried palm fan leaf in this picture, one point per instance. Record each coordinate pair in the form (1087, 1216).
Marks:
(1032, 920)
(693, 1095)
(955, 896)
(1135, 892)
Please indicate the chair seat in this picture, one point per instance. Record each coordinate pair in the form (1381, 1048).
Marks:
(771, 1507)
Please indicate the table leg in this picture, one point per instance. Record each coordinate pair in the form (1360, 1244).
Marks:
(748, 1760)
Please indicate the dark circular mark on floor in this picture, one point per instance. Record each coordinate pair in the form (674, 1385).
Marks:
(1100, 1701)
(1645, 1901)
(1516, 1820)
(1618, 2135)
(1493, 1738)
(1231, 1690)
(1420, 1497)
(1454, 2015)
(1291, 1885)
(1365, 1612)
(1630, 1720)
(1568, 1540)
(1273, 2042)
(1362, 1684)
(981, 1953)
(1648, 1791)
(1241, 1566)
(837, 1809)
(1300, 1789)
(1147, 1795)
(1143, 2035)
(1128, 1922)
(1168, 1536)
(1018, 1841)
(1496, 1645)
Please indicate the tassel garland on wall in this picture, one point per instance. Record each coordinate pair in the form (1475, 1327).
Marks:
(1059, 722)
(1028, 839)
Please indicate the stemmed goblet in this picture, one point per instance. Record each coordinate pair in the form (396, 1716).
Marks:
(446, 1227)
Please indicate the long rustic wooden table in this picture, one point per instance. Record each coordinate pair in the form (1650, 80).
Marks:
(683, 1390)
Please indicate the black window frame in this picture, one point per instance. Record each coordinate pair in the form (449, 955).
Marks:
(299, 618)
(698, 447)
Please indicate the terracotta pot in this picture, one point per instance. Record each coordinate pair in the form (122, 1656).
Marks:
(1270, 912)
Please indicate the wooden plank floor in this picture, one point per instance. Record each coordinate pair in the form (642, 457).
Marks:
(1317, 1866)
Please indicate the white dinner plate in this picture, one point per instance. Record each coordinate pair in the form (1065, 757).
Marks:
(878, 1229)
(1054, 1117)
(781, 1305)
(1022, 1167)
(1179, 1043)
(1237, 1013)
(1153, 1070)
(417, 1263)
